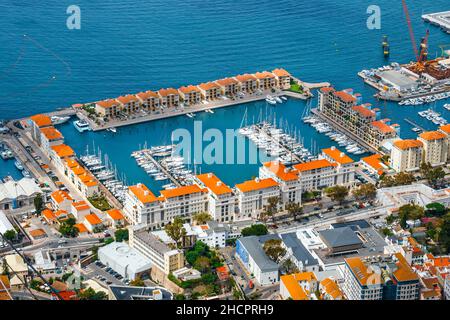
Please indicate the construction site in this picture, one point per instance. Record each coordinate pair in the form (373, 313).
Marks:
(424, 79)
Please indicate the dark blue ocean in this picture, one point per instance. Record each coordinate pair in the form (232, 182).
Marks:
(128, 46)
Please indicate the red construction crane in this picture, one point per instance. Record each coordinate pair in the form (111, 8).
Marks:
(411, 32)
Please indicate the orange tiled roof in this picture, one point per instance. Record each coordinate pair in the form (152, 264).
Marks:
(245, 77)
(280, 72)
(257, 184)
(338, 156)
(93, 219)
(41, 120)
(60, 213)
(71, 163)
(432, 135)
(115, 214)
(374, 161)
(37, 233)
(81, 228)
(264, 75)
(408, 144)
(180, 191)
(143, 193)
(361, 272)
(208, 85)
(49, 215)
(327, 89)
(404, 271)
(226, 81)
(292, 285)
(147, 95)
(445, 128)
(127, 98)
(51, 133)
(214, 184)
(168, 91)
(60, 195)
(363, 111)
(80, 205)
(109, 103)
(383, 127)
(188, 89)
(63, 151)
(281, 171)
(331, 288)
(344, 96)
(312, 165)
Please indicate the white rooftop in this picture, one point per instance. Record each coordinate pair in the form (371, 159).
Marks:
(25, 187)
(5, 225)
(124, 257)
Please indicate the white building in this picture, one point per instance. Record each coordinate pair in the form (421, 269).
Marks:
(345, 166)
(160, 255)
(17, 194)
(435, 147)
(253, 196)
(287, 179)
(212, 233)
(406, 155)
(221, 199)
(123, 259)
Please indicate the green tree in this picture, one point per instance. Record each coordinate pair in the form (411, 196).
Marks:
(294, 209)
(176, 231)
(289, 266)
(365, 192)
(403, 178)
(38, 203)
(68, 229)
(202, 264)
(10, 235)
(410, 212)
(202, 217)
(435, 209)
(433, 175)
(444, 234)
(91, 294)
(270, 209)
(254, 230)
(274, 249)
(138, 282)
(121, 235)
(337, 193)
(5, 269)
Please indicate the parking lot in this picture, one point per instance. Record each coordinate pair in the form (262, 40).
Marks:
(105, 275)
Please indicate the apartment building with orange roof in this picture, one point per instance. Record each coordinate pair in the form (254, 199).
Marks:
(229, 86)
(80, 209)
(210, 90)
(129, 103)
(141, 206)
(253, 196)
(380, 278)
(169, 97)
(59, 154)
(287, 178)
(435, 147)
(92, 222)
(374, 164)
(299, 286)
(38, 122)
(316, 174)
(266, 80)
(108, 108)
(446, 130)
(191, 95)
(149, 100)
(283, 78)
(248, 83)
(330, 290)
(50, 136)
(345, 166)
(221, 198)
(406, 155)
(61, 200)
(81, 179)
(115, 218)
(345, 108)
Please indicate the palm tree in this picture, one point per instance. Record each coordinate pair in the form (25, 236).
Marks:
(294, 209)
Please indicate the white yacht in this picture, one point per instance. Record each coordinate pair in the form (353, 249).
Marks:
(81, 125)
(59, 120)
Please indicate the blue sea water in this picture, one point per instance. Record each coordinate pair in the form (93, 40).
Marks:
(132, 45)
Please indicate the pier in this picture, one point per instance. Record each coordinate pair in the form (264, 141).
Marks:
(440, 19)
(414, 124)
(148, 154)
